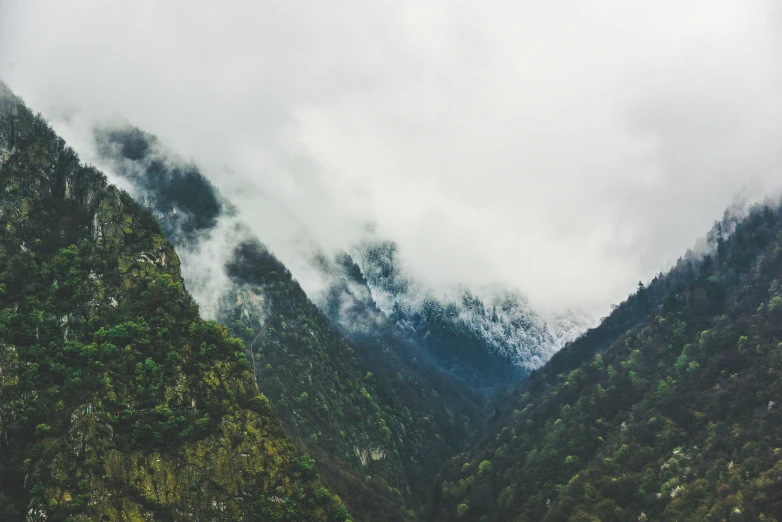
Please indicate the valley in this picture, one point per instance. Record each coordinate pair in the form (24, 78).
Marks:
(159, 362)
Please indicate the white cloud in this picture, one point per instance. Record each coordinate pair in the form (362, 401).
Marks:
(565, 148)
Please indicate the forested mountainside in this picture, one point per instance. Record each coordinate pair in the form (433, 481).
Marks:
(379, 418)
(489, 340)
(667, 411)
(117, 401)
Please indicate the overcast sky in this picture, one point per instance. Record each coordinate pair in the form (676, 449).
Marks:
(562, 147)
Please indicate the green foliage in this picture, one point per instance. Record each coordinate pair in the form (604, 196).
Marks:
(597, 364)
(667, 411)
(118, 402)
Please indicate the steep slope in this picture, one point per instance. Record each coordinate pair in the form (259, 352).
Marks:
(349, 304)
(117, 402)
(667, 411)
(379, 430)
(393, 350)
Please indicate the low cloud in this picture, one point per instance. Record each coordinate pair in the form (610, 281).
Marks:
(568, 149)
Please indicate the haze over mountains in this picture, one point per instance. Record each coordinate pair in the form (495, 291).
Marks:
(207, 227)
(117, 401)
(477, 138)
(356, 262)
(464, 347)
(409, 414)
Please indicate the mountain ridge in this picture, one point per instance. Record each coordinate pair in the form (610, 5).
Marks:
(665, 411)
(378, 427)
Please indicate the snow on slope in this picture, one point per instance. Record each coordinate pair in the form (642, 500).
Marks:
(501, 318)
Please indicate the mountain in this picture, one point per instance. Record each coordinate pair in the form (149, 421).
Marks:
(379, 418)
(117, 401)
(666, 411)
(491, 339)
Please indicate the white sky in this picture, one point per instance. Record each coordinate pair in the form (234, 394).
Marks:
(565, 148)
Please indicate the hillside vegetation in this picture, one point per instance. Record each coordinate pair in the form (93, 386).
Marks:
(667, 411)
(117, 401)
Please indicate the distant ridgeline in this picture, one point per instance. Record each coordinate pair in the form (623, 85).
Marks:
(666, 411)
(487, 341)
(377, 414)
(117, 401)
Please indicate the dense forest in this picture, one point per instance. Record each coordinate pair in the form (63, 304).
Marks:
(117, 401)
(666, 411)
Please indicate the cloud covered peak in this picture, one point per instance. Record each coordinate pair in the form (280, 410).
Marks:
(564, 148)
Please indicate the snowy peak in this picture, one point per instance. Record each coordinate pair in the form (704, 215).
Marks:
(498, 321)
(570, 325)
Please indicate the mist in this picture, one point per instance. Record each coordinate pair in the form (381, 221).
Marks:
(564, 149)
